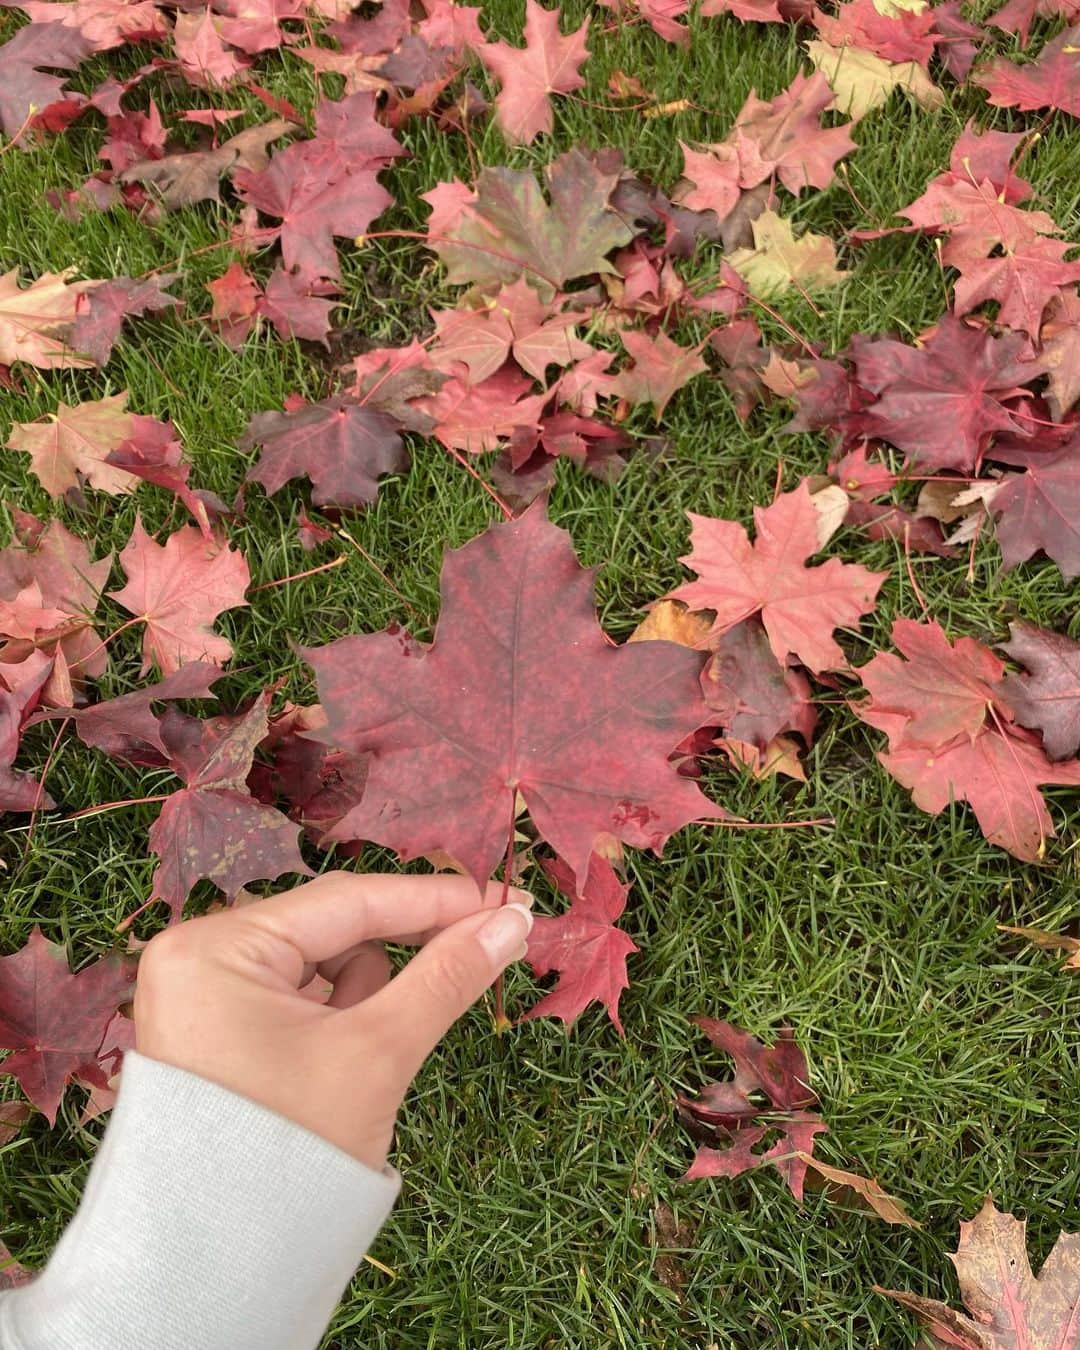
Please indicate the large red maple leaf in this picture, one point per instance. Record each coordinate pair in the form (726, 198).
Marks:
(55, 1021)
(519, 693)
(582, 944)
(940, 402)
(548, 64)
(799, 605)
(213, 829)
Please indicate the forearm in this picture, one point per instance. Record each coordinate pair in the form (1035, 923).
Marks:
(207, 1221)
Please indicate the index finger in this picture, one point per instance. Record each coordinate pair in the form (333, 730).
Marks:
(323, 917)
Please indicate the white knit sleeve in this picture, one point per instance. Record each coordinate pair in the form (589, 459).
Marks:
(208, 1223)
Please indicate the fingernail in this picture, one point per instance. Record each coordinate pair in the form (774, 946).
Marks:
(520, 897)
(502, 935)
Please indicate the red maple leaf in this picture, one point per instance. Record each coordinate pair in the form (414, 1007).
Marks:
(940, 402)
(178, 589)
(153, 453)
(212, 829)
(900, 35)
(582, 944)
(344, 448)
(317, 193)
(21, 791)
(1017, 16)
(785, 137)
(549, 63)
(100, 313)
(1053, 81)
(475, 417)
(754, 697)
(235, 310)
(660, 368)
(799, 605)
(298, 308)
(24, 88)
(947, 716)
(54, 1020)
(519, 693)
(1040, 510)
(731, 1114)
(1047, 697)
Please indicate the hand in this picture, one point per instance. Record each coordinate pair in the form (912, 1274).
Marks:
(220, 996)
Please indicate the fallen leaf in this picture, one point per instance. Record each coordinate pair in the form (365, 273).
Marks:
(549, 63)
(861, 81)
(1047, 697)
(53, 1020)
(1053, 81)
(661, 367)
(866, 1190)
(178, 589)
(74, 444)
(1009, 1307)
(799, 605)
(581, 729)
(583, 944)
(1051, 942)
(779, 261)
(36, 322)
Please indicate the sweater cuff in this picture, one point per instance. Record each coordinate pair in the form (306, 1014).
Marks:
(208, 1220)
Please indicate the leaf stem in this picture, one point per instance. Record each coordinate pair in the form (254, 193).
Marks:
(502, 1022)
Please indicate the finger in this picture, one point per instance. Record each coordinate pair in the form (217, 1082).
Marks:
(446, 977)
(323, 917)
(363, 974)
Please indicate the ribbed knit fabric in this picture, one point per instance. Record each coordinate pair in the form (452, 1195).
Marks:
(208, 1223)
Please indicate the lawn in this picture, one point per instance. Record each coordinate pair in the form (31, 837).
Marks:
(944, 1053)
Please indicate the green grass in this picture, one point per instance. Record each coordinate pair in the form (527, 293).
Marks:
(944, 1056)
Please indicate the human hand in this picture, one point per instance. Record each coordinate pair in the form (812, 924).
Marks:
(220, 995)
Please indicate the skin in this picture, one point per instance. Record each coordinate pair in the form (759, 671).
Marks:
(221, 996)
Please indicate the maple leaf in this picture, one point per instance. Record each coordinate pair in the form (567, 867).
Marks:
(21, 791)
(580, 728)
(904, 36)
(212, 829)
(317, 196)
(74, 443)
(514, 320)
(862, 81)
(941, 401)
(342, 447)
(779, 261)
(714, 178)
(296, 308)
(754, 697)
(660, 368)
(1017, 16)
(35, 323)
(799, 605)
(24, 88)
(1059, 354)
(51, 563)
(1040, 509)
(1047, 698)
(993, 766)
(548, 64)
(727, 1113)
(1023, 278)
(195, 175)
(206, 61)
(103, 23)
(943, 689)
(100, 313)
(53, 1020)
(153, 454)
(126, 727)
(582, 944)
(235, 310)
(507, 229)
(787, 138)
(660, 15)
(1053, 81)
(475, 417)
(1009, 1306)
(178, 589)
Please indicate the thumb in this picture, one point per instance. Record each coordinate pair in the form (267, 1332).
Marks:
(447, 976)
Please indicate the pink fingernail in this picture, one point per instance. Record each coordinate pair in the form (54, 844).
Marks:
(502, 935)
